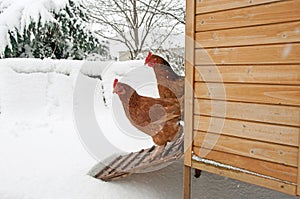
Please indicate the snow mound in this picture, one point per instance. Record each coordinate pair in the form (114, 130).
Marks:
(16, 14)
(43, 154)
(41, 92)
(19, 14)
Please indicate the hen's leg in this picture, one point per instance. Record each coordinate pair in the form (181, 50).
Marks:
(157, 152)
(197, 173)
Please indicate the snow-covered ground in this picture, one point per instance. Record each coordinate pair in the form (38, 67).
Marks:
(45, 154)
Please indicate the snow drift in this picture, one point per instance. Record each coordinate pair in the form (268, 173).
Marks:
(41, 154)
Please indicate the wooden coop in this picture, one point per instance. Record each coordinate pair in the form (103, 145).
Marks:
(242, 94)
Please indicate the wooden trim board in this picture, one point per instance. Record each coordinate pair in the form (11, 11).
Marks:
(189, 95)
(250, 55)
(257, 35)
(259, 74)
(276, 153)
(270, 114)
(189, 81)
(283, 11)
(205, 6)
(260, 181)
(249, 130)
(252, 93)
(279, 171)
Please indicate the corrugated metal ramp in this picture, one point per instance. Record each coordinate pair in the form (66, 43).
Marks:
(138, 162)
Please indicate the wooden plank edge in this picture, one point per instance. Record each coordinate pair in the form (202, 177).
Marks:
(252, 179)
(200, 11)
(253, 74)
(189, 94)
(251, 120)
(277, 153)
(189, 79)
(298, 177)
(256, 131)
(247, 137)
(257, 93)
(186, 182)
(249, 55)
(250, 102)
(252, 13)
(274, 170)
(207, 39)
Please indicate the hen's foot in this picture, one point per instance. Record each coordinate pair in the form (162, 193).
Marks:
(197, 173)
(157, 152)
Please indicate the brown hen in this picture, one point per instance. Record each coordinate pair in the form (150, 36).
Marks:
(158, 118)
(170, 85)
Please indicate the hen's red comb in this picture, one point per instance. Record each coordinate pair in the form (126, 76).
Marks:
(148, 57)
(115, 83)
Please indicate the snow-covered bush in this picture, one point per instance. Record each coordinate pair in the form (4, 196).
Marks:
(47, 29)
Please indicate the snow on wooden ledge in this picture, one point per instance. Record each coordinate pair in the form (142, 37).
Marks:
(229, 167)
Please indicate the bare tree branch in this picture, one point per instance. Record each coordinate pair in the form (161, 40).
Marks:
(133, 21)
(164, 12)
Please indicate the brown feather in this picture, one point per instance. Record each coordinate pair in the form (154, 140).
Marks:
(169, 84)
(158, 118)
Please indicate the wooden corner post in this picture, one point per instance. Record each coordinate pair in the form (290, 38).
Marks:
(298, 177)
(189, 95)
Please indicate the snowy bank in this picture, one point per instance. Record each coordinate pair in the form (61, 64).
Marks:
(41, 153)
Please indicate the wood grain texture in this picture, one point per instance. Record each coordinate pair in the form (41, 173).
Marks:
(257, 15)
(249, 130)
(262, 74)
(204, 6)
(271, 54)
(258, 166)
(258, 35)
(270, 94)
(247, 89)
(187, 182)
(189, 81)
(272, 114)
(260, 181)
(281, 154)
(188, 114)
(298, 177)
